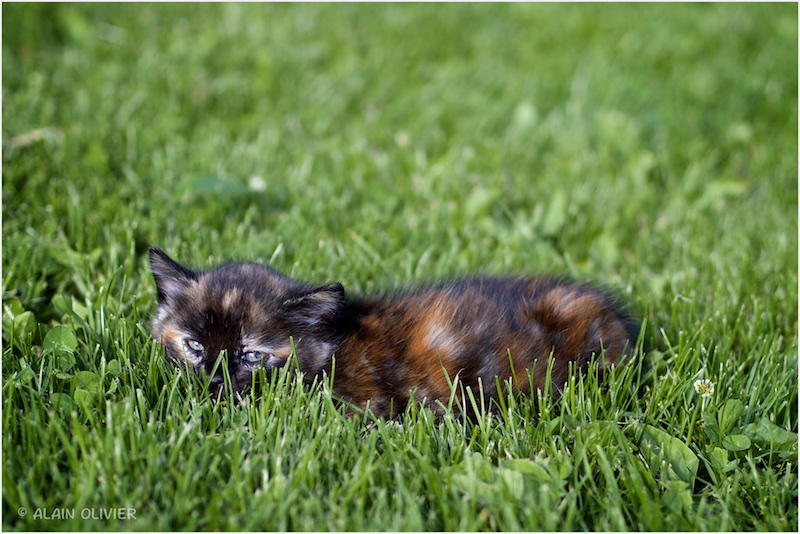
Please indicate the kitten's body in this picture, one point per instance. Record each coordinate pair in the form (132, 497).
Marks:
(385, 348)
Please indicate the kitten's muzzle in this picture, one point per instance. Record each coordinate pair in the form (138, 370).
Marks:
(216, 386)
(214, 366)
(217, 380)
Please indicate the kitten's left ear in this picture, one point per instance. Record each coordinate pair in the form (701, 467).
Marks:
(171, 277)
(318, 306)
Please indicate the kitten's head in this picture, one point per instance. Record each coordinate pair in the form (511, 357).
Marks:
(245, 313)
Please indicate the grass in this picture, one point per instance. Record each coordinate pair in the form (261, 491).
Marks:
(651, 149)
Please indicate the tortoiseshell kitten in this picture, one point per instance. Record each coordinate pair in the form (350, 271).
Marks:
(386, 347)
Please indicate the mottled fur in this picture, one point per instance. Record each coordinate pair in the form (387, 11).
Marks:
(385, 348)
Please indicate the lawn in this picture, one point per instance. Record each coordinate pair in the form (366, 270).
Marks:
(650, 149)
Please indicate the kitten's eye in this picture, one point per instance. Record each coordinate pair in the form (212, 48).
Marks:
(193, 345)
(253, 356)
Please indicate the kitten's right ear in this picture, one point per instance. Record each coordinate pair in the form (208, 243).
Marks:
(171, 277)
(317, 306)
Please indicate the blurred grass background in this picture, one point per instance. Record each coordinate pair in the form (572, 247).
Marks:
(649, 148)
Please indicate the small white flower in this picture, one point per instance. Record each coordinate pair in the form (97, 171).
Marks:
(403, 139)
(257, 184)
(704, 387)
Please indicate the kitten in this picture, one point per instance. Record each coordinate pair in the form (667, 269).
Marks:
(385, 348)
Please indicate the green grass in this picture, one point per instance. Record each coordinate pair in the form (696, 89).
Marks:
(651, 149)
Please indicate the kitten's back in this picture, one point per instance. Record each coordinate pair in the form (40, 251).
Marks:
(474, 330)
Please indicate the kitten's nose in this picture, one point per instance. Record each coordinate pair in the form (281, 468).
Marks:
(215, 364)
(216, 386)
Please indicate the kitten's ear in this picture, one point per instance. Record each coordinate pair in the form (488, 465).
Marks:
(171, 277)
(318, 306)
